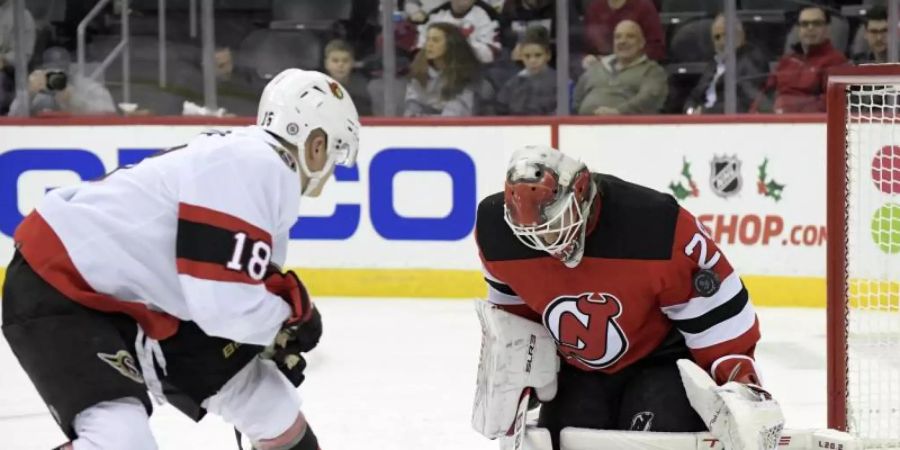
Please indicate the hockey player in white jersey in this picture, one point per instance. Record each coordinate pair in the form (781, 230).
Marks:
(165, 276)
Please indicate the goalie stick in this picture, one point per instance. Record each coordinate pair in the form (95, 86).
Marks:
(516, 435)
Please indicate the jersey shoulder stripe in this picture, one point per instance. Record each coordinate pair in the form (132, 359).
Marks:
(635, 222)
(216, 246)
(202, 215)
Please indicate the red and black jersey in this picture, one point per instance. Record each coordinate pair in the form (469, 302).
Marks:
(648, 266)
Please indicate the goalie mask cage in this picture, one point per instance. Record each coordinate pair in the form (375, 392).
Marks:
(863, 271)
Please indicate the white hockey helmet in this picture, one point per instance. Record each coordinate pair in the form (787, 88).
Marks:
(296, 102)
(547, 198)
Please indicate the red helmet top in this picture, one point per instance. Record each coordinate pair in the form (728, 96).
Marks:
(546, 197)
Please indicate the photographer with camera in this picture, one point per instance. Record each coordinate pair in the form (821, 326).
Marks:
(8, 50)
(54, 88)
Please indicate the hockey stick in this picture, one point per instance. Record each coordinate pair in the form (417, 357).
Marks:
(517, 430)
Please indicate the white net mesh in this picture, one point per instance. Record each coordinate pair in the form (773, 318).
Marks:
(873, 261)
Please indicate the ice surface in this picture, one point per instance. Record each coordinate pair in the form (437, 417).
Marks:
(400, 374)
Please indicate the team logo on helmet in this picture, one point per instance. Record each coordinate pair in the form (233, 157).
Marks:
(585, 328)
(336, 89)
(292, 128)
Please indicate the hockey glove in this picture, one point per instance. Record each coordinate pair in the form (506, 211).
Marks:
(291, 342)
(291, 363)
(301, 332)
(290, 288)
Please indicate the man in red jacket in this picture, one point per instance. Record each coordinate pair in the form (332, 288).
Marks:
(800, 79)
(601, 19)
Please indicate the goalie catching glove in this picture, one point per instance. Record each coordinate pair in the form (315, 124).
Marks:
(302, 330)
(742, 416)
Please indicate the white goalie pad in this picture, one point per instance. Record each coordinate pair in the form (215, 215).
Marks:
(516, 354)
(587, 439)
(743, 417)
(534, 438)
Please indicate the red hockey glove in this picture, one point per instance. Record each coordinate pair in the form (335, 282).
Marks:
(301, 332)
(738, 368)
(290, 288)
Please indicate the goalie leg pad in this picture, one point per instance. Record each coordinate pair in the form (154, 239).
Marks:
(534, 438)
(516, 353)
(587, 439)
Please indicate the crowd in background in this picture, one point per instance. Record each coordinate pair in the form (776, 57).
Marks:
(453, 57)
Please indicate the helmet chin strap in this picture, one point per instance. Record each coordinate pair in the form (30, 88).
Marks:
(314, 179)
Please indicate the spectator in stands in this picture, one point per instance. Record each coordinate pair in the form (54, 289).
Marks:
(533, 90)
(54, 87)
(477, 20)
(517, 16)
(235, 92)
(417, 10)
(339, 62)
(799, 80)
(876, 29)
(443, 75)
(751, 64)
(8, 51)
(626, 82)
(602, 17)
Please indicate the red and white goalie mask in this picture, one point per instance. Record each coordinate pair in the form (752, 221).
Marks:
(547, 200)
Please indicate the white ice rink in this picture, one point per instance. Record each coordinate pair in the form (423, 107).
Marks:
(400, 375)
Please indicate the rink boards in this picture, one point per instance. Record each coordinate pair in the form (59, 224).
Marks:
(401, 222)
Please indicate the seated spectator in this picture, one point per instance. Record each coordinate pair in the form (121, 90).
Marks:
(417, 10)
(517, 16)
(8, 51)
(237, 88)
(626, 82)
(876, 29)
(477, 20)
(752, 68)
(54, 87)
(443, 75)
(800, 79)
(602, 16)
(533, 90)
(236, 93)
(339, 65)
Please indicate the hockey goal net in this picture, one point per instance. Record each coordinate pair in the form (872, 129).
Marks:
(864, 253)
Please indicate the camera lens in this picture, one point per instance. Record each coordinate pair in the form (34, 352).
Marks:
(56, 81)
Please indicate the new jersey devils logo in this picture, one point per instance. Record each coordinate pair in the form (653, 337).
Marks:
(585, 328)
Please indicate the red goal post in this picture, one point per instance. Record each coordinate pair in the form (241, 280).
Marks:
(863, 251)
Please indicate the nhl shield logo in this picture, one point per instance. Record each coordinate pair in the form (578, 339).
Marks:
(725, 175)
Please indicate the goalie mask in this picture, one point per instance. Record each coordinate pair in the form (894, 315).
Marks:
(547, 200)
(297, 102)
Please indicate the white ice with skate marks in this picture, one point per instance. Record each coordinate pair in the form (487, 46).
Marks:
(400, 375)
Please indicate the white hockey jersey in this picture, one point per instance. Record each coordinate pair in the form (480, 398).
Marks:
(184, 235)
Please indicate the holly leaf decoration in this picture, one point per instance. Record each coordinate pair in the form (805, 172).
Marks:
(679, 191)
(774, 190)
